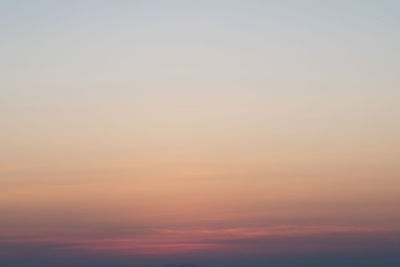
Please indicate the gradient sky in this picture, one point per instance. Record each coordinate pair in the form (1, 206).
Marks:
(220, 133)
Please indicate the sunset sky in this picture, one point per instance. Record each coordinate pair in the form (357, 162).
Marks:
(219, 133)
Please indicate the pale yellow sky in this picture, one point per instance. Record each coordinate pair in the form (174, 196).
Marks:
(206, 116)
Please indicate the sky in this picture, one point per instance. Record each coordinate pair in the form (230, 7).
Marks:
(215, 133)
